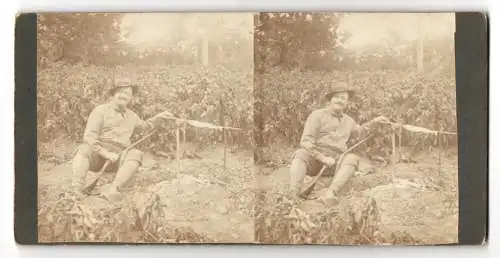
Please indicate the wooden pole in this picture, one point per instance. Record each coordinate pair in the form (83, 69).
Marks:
(400, 136)
(223, 123)
(196, 140)
(184, 134)
(393, 161)
(225, 147)
(178, 146)
(439, 152)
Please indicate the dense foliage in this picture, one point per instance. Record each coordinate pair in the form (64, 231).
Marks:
(186, 72)
(297, 56)
(67, 94)
(285, 99)
(206, 71)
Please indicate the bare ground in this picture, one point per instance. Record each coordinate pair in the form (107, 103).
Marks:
(204, 202)
(201, 197)
(418, 200)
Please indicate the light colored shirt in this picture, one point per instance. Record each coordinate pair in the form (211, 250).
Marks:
(327, 133)
(108, 126)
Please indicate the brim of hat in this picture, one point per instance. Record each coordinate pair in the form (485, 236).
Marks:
(135, 89)
(330, 94)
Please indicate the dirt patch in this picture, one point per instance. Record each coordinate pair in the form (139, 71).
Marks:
(199, 201)
(417, 202)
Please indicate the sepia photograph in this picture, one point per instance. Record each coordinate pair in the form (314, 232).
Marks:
(331, 128)
(145, 128)
(356, 127)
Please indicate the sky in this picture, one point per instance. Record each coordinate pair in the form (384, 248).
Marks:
(373, 28)
(159, 27)
(365, 28)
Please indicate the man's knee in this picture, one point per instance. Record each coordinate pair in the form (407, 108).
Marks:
(298, 164)
(310, 163)
(134, 155)
(351, 159)
(84, 150)
(302, 155)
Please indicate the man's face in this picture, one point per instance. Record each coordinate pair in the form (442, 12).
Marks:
(338, 102)
(123, 96)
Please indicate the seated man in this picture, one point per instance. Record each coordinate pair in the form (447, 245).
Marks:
(108, 132)
(324, 138)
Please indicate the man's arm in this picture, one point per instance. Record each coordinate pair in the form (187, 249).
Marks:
(309, 135)
(361, 129)
(145, 125)
(151, 123)
(92, 131)
(366, 128)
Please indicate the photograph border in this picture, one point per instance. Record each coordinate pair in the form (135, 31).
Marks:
(471, 62)
(471, 51)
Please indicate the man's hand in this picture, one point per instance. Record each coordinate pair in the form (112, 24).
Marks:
(113, 157)
(165, 115)
(329, 162)
(157, 120)
(379, 119)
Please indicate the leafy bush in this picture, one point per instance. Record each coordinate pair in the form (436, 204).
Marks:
(284, 99)
(67, 94)
(96, 220)
(355, 221)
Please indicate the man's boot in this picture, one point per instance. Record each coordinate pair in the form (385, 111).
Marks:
(80, 169)
(298, 171)
(125, 172)
(345, 172)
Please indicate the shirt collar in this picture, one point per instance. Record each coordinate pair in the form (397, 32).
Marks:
(117, 109)
(337, 115)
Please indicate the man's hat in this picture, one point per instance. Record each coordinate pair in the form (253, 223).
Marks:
(339, 89)
(123, 84)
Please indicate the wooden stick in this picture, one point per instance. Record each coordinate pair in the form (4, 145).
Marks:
(308, 189)
(393, 161)
(178, 146)
(400, 136)
(222, 121)
(183, 141)
(91, 186)
(439, 153)
(184, 134)
(403, 125)
(225, 147)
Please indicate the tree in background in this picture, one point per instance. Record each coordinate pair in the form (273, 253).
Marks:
(81, 54)
(289, 41)
(293, 72)
(79, 38)
(300, 40)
